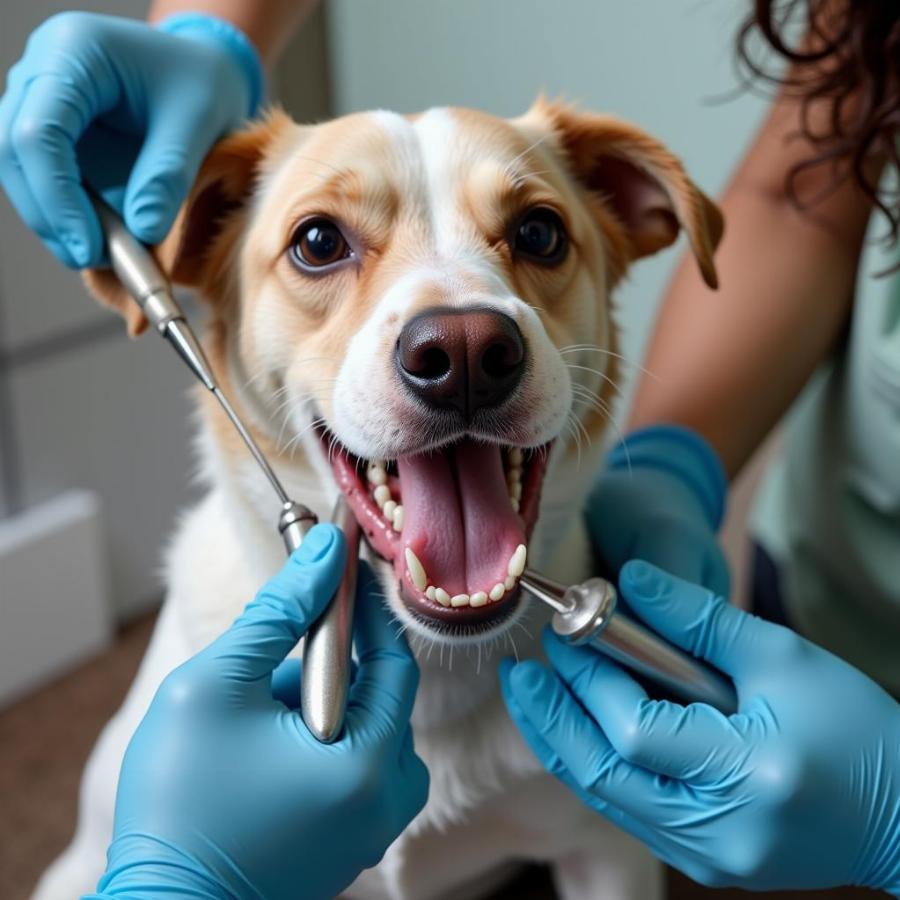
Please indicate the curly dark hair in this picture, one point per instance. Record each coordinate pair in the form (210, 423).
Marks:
(845, 53)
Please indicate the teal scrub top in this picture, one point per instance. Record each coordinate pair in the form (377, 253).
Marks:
(829, 510)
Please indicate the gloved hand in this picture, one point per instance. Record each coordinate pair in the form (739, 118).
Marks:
(225, 793)
(130, 107)
(799, 789)
(660, 498)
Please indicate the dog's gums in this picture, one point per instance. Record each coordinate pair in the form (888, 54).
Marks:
(454, 523)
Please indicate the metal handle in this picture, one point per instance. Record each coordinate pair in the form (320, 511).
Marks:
(586, 614)
(328, 644)
(136, 268)
(642, 651)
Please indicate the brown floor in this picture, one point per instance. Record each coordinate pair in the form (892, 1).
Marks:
(45, 739)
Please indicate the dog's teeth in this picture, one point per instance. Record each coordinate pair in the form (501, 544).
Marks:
(397, 519)
(478, 599)
(515, 456)
(515, 491)
(442, 596)
(382, 494)
(430, 592)
(510, 582)
(517, 561)
(514, 504)
(416, 570)
(459, 600)
(497, 591)
(513, 475)
(376, 473)
(388, 510)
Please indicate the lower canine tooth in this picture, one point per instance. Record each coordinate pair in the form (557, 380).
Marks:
(442, 596)
(416, 570)
(397, 521)
(460, 600)
(497, 591)
(517, 561)
(478, 599)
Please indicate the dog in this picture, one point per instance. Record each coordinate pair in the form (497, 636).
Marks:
(415, 310)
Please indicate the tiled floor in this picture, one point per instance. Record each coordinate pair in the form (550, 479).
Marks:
(45, 739)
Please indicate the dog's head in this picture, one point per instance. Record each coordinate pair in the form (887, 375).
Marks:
(423, 302)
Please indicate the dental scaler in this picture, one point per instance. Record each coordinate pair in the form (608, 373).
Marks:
(586, 614)
(327, 645)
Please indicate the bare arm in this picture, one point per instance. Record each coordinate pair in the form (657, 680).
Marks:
(268, 23)
(729, 363)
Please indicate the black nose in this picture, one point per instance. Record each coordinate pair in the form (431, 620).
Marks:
(465, 359)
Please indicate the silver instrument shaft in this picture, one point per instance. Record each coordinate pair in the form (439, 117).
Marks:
(323, 699)
(327, 646)
(586, 614)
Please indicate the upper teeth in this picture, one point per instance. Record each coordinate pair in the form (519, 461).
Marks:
(514, 477)
(393, 511)
(417, 575)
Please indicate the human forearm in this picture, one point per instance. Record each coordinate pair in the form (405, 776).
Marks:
(728, 364)
(268, 23)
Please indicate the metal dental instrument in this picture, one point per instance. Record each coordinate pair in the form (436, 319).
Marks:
(327, 645)
(586, 614)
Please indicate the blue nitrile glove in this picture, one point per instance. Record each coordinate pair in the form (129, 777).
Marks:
(131, 108)
(225, 793)
(799, 789)
(661, 497)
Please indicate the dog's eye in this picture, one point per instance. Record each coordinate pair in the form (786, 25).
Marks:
(541, 236)
(319, 243)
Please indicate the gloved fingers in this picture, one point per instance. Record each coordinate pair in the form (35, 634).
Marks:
(384, 690)
(545, 754)
(666, 547)
(683, 551)
(716, 575)
(695, 743)
(551, 761)
(694, 618)
(416, 779)
(51, 118)
(13, 180)
(270, 626)
(286, 683)
(176, 142)
(581, 746)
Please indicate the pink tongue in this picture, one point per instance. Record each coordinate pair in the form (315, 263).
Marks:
(457, 517)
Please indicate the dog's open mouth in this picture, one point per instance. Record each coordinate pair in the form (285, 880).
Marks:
(454, 523)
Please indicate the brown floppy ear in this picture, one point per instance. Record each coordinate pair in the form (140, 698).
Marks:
(197, 248)
(640, 180)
